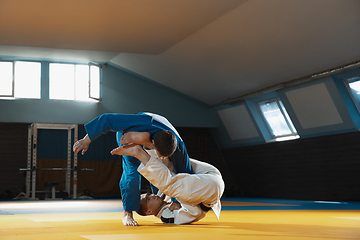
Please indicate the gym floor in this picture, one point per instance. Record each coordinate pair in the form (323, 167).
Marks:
(240, 219)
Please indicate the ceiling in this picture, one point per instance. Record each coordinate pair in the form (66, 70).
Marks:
(210, 50)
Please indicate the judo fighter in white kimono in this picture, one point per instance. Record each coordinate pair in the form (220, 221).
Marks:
(197, 193)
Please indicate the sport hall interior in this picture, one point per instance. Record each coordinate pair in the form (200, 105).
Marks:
(268, 91)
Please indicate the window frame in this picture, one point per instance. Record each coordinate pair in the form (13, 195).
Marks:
(90, 95)
(75, 82)
(286, 116)
(16, 86)
(12, 79)
(347, 84)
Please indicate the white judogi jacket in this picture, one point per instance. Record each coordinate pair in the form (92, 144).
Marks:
(206, 186)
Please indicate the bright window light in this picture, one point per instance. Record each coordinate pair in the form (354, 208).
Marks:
(280, 139)
(62, 81)
(353, 85)
(20, 79)
(6, 78)
(277, 119)
(71, 82)
(28, 80)
(94, 82)
(82, 82)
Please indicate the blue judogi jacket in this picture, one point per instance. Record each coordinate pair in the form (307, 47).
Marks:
(141, 122)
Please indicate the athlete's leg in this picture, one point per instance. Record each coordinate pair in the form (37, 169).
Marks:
(130, 184)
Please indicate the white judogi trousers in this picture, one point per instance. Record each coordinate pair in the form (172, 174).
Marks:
(206, 186)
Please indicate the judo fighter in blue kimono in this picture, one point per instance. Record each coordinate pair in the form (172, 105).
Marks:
(149, 127)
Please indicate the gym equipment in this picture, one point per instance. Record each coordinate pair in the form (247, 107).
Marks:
(50, 188)
(31, 169)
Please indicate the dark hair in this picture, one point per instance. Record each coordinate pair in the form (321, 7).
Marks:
(165, 143)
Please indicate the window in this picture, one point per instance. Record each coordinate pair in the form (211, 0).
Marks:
(20, 79)
(353, 85)
(277, 120)
(74, 82)
(94, 82)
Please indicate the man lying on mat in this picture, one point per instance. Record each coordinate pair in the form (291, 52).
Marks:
(197, 193)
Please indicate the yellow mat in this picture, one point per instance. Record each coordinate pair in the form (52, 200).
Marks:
(267, 225)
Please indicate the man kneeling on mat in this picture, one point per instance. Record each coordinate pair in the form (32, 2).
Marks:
(197, 193)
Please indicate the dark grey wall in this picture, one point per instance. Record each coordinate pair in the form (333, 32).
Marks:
(318, 168)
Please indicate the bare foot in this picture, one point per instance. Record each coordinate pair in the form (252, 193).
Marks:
(128, 219)
(132, 150)
(141, 138)
(128, 150)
